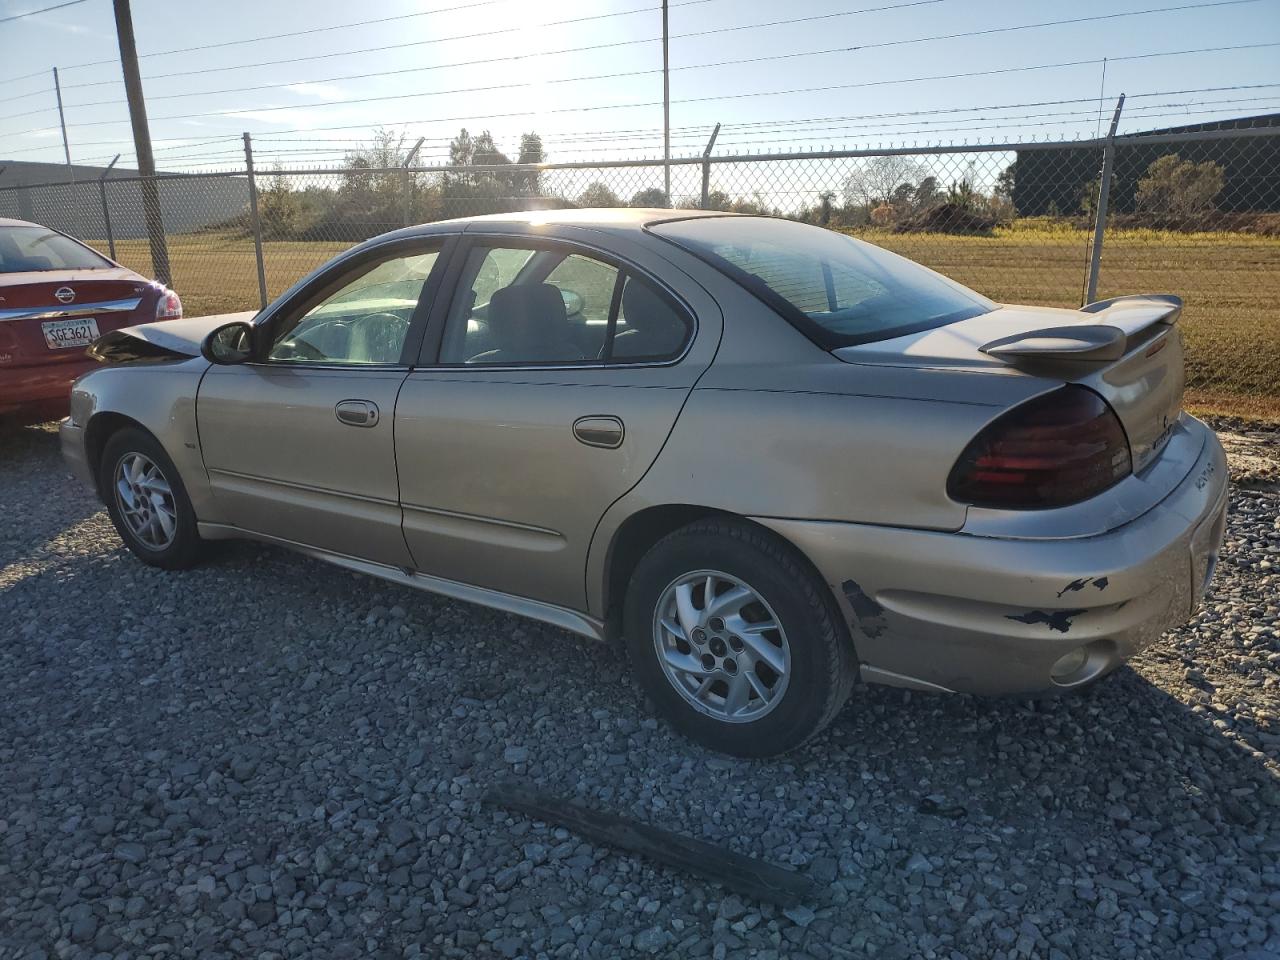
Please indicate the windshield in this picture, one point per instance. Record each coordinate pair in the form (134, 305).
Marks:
(24, 249)
(839, 291)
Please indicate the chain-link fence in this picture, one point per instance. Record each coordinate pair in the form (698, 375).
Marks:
(1193, 214)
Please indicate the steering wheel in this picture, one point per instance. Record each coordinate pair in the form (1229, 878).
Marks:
(378, 335)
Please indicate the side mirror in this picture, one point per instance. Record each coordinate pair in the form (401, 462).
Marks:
(228, 344)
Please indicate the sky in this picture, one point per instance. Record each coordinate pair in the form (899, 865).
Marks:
(512, 66)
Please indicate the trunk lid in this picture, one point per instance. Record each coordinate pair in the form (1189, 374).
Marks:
(1126, 349)
(48, 319)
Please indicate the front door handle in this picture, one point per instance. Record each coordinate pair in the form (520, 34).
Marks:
(599, 431)
(357, 413)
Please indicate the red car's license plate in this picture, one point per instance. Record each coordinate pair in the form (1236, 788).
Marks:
(60, 334)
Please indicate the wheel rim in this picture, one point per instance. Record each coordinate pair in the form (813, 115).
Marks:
(721, 646)
(146, 502)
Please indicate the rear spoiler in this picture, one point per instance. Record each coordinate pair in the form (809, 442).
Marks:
(1121, 323)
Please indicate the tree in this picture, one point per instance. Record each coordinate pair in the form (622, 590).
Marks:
(650, 197)
(1089, 197)
(961, 194)
(1180, 187)
(530, 181)
(876, 181)
(475, 190)
(278, 207)
(1005, 182)
(825, 198)
(927, 193)
(598, 194)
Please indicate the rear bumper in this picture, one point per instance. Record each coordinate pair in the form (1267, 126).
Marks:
(951, 611)
(40, 393)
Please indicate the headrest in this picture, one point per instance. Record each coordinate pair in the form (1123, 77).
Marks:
(531, 309)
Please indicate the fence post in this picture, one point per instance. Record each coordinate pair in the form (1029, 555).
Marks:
(706, 168)
(1100, 215)
(106, 211)
(256, 223)
(404, 182)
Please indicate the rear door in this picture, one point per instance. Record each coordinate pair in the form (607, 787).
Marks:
(551, 384)
(298, 445)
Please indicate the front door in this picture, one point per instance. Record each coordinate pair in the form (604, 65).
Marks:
(559, 376)
(298, 445)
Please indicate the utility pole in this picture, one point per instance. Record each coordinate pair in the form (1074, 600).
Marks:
(62, 120)
(142, 142)
(666, 108)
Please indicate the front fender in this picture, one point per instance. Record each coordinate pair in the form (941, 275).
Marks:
(161, 399)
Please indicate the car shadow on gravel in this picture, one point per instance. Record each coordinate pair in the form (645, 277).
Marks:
(41, 498)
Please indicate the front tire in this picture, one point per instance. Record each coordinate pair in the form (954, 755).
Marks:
(147, 501)
(736, 640)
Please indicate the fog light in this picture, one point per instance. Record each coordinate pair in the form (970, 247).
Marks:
(1069, 664)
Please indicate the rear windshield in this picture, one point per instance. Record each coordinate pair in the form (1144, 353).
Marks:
(837, 290)
(23, 249)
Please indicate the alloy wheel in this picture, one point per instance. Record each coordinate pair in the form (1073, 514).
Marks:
(721, 646)
(146, 501)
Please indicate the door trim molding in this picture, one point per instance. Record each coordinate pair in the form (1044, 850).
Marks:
(292, 485)
(572, 620)
(474, 518)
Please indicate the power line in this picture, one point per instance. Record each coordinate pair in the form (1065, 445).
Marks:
(695, 66)
(303, 33)
(32, 13)
(463, 36)
(469, 36)
(887, 43)
(23, 96)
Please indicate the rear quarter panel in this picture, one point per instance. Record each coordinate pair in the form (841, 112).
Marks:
(777, 427)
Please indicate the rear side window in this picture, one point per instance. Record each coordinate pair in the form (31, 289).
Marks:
(518, 306)
(839, 291)
(24, 249)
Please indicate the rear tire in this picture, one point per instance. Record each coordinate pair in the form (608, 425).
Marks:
(147, 501)
(761, 668)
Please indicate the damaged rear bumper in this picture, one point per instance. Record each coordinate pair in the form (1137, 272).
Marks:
(999, 615)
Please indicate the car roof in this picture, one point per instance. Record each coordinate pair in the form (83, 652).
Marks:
(10, 222)
(612, 217)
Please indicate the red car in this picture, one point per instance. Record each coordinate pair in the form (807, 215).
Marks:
(56, 297)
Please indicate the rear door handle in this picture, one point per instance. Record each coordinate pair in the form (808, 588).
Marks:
(599, 431)
(357, 413)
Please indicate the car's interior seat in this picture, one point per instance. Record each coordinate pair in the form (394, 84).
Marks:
(528, 324)
(653, 328)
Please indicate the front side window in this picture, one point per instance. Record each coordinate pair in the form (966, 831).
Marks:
(557, 307)
(24, 249)
(365, 321)
(837, 290)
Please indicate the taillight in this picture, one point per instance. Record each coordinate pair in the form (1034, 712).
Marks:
(168, 307)
(1057, 449)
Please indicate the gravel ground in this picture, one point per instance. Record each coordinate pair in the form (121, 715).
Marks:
(270, 757)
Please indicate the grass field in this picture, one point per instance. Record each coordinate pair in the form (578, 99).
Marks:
(1229, 281)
